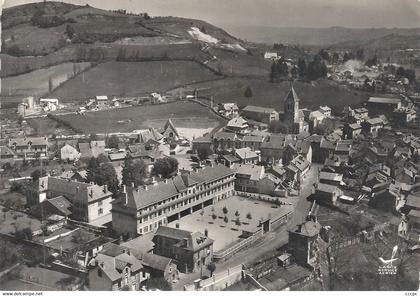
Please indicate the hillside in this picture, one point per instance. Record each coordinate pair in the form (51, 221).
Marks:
(323, 36)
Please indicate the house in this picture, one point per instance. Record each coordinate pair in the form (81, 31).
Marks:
(303, 242)
(327, 193)
(403, 116)
(205, 142)
(297, 169)
(49, 104)
(79, 176)
(101, 101)
(92, 149)
(247, 177)
(229, 110)
(269, 185)
(90, 202)
(30, 147)
(247, 156)
(237, 125)
(413, 201)
(160, 267)
(261, 114)
(141, 210)
(252, 141)
(372, 126)
(229, 160)
(69, 153)
(386, 199)
(146, 136)
(170, 132)
(316, 118)
(379, 105)
(342, 150)
(115, 273)
(191, 251)
(295, 148)
(325, 110)
(414, 219)
(331, 178)
(224, 141)
(272, 56)
(59, 206)
(352, 131)
(6, 153)
(272, 148)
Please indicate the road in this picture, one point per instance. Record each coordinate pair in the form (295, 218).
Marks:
(270, 243)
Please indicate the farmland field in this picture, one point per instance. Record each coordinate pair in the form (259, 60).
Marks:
(131, 78)
(266, 94)
(35, 83)
(183, 114)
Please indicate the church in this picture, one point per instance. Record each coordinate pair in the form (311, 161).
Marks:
(292, 114)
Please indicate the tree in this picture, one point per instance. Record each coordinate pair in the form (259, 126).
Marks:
(317, 69)
(212, 268)
(158, 283)
(214, 216)
(248, 92)
(238, 221)
(92, 170)
(237, 214)
(108, 176)
(165, 167)
(70, 31)
(225, 219)
(249, 216)
(133, 172)
(113, 142)
(302, 68)
(225, 210)
(277, 126)
(324, 55)
(36, 174)
(24, 234)
(204, 152)
(50, 85)
(372, 61)
(102, 158)
(360, 54)
(335, 58)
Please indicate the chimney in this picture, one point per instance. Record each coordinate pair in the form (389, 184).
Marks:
(145, 187)
(132, 184)
(165, 181)
(105, 188)
(124, 189)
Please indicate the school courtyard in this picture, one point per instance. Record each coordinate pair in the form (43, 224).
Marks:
(226, 227)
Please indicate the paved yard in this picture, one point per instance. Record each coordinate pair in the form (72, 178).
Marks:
(226, 233)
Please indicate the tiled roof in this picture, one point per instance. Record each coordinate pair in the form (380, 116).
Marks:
(250, 138)
(326, 188)
(35, 141)
(224, 136)
(245, 153)
(292, 95)
(331, 176)
(72, 189)
(237, 122)
(384, 100)
(413, 201)
(274, 142)
(61, 204)
(309, 228)
(155, 261)
(255, 172)
(258, 109)
(142, 197)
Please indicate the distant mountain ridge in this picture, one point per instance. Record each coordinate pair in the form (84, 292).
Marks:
(326, 36)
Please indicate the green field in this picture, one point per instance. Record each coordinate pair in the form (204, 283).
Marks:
(35, 83)
(131, 78)
(312, 95)
(183, 114)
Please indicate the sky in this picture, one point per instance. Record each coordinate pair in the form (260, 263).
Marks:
(274, 13)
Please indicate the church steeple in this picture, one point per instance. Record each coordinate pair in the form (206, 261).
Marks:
(291, 104)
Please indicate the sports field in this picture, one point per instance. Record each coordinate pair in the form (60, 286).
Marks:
(184, 115)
